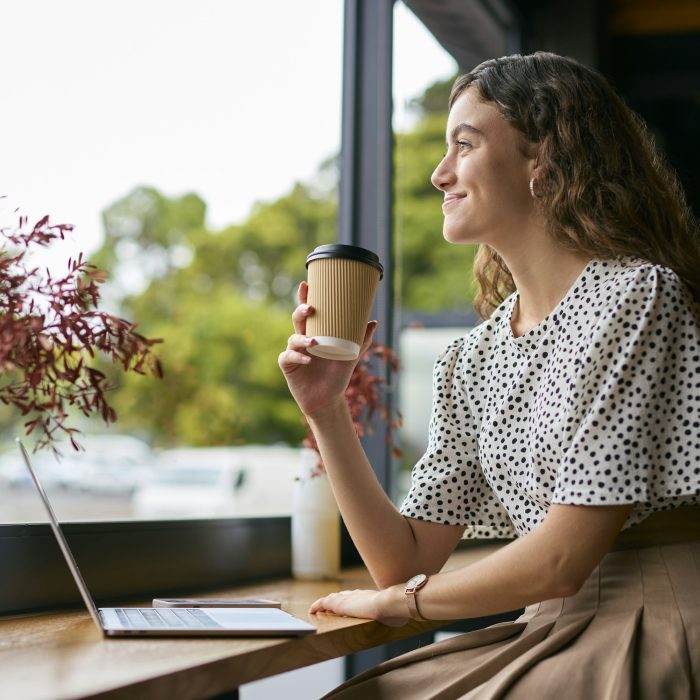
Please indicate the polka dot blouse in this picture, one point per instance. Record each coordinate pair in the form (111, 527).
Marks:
(597, 405)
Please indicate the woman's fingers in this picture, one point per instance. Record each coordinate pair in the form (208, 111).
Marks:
(289, 358)
(294, 354)
(303, 309)
(303, 292)
(297, 341)
(299, 316)
(328, 603)
(358, 603)
(369, 335)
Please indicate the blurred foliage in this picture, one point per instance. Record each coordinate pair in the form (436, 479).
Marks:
(222, 299)
(431, 275)
(434, 99)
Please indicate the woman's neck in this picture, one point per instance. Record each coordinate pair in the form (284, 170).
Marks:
(542, 279)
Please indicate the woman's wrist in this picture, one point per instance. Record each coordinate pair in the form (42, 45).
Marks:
(392, 602)
(329, 413)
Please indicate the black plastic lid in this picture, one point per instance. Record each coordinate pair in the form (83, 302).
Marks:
(340, 250)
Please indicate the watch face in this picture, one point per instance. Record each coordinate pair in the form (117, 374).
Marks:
(416, 580)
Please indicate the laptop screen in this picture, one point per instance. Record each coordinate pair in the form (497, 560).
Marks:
(62, 542)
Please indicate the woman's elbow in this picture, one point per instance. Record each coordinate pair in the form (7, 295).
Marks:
(566, 577)
(565, 585)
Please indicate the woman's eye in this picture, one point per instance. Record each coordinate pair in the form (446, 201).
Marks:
(463, 145)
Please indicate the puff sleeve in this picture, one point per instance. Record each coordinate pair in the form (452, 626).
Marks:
(634, 400)
(448, 485)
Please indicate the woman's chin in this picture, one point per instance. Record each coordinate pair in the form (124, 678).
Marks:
(457, 236)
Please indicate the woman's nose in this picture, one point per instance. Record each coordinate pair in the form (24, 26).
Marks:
(442, 176)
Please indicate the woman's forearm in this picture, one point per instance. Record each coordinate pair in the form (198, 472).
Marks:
(508, 579)
(382, 535)
(550, 562)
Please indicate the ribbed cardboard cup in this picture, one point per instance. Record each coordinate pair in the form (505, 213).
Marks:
(343, 281)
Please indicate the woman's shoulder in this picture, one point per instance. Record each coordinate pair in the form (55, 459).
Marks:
(631, 303)
(627, 275)
(625, 284)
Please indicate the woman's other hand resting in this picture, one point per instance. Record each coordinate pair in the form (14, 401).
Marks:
(388, 606)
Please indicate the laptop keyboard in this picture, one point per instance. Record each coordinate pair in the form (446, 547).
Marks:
(165, 618)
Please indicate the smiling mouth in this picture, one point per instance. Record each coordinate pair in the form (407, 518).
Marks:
(451, 199)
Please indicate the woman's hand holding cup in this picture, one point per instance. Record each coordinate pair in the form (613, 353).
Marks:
(315, 383)
(330, 323)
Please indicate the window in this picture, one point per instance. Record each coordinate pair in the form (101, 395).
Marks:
(194, 147)
(433, 284)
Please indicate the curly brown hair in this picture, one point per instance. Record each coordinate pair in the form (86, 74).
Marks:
(604, 188)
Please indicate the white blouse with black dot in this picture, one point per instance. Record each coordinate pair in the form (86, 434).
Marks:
(597, 405)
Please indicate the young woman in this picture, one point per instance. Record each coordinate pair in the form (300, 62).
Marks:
(565, 419)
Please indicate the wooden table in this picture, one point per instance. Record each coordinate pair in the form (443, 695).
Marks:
(62, 655)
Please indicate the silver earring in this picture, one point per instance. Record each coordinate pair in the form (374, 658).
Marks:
(532, 188)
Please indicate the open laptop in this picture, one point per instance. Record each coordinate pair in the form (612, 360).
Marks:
(171, 622)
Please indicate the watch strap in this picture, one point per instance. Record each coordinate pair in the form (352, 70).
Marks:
(411, 599)
(413, 607)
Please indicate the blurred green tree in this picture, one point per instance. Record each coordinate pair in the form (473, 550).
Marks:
(222, 299)
(431, 275)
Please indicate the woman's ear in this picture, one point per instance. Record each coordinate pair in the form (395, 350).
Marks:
(530, 149)
(532, 152)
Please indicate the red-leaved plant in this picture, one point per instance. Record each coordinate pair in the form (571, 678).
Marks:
(50, 331)
(365, 397)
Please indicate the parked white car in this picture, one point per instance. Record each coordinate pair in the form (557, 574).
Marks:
(190, 483)
(109, 464)
(243, 481)
(14, 474)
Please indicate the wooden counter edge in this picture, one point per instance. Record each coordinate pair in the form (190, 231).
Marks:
(256, 664)
(206, 676)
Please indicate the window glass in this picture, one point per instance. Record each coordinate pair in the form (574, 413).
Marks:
(194, 147)
(433, 284)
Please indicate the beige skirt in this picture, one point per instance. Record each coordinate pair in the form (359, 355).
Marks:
(632, 632)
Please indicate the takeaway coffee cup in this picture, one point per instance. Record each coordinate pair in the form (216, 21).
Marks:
(343, 281)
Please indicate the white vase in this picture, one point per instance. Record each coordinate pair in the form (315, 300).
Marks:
(315, 524)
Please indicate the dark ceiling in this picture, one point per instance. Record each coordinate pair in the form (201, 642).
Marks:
(470, 31)
(650, 51)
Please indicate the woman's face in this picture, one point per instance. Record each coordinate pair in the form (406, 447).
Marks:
(484, 175)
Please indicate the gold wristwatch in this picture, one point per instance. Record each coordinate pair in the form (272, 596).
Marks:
(413, 585)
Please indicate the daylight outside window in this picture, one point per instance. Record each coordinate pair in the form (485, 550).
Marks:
(433, 286)
(194, 147)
